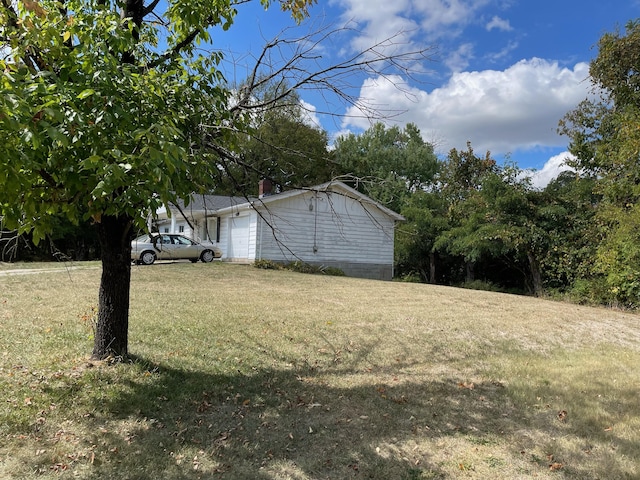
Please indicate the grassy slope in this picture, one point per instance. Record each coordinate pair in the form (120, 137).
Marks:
(244, 373)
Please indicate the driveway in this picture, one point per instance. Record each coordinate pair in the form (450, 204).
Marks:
(31, 271)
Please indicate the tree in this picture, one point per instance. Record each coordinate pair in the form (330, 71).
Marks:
(568, 205)
(604, 135)
(387, 163)
(426, 219)
(99, 124)
(459, 182)
(282, 146)
(515, 222)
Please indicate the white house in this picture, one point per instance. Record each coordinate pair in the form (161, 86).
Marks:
(330, 224)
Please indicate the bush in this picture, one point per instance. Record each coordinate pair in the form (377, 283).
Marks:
(333, 271)
(410, 278)
(300, 267)
(482, 285)
(268, 265)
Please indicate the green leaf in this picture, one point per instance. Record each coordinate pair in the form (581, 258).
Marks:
(86, 93)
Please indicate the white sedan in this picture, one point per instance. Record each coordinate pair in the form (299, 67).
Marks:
(168, 246)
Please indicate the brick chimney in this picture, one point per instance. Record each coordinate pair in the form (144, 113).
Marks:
(264, 188)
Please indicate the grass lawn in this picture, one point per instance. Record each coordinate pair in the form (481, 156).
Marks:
(241, 373)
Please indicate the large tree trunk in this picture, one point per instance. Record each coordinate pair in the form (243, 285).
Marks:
(111, 334)
(536, 275)
(432, 268)
(470, 275)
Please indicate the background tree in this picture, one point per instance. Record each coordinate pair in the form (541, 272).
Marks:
(515, 223)
(283, 145)
(568, 207)
(605, 139)
(97, 124)
(388, 164)
(426, 220)
(461, 176)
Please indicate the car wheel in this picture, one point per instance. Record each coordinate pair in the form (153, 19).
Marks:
(147, 258)
(207, 256)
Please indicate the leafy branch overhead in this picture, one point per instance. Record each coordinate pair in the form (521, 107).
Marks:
(116, 121)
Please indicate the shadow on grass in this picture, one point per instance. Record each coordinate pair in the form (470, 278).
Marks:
(164, 422)
(268, 424)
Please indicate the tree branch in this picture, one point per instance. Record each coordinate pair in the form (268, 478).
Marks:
(288, 61)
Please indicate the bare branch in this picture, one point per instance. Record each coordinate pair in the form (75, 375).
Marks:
(298, 63)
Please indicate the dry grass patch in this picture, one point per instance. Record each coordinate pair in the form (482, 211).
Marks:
(245, 373)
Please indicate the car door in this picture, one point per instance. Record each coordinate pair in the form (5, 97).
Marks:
(183, 247)
(164, 247)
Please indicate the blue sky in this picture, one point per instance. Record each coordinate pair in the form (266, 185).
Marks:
(501, 75)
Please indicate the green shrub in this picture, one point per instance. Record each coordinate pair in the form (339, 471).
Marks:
(333, 271)
(481, 285)
(268, 265)
(410, 278)
(300, 267)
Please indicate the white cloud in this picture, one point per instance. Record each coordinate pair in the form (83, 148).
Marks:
(419, 21)
(502, 111)
(310, 115)
(447, 17)
(499, 24)
(552, 168)
(379, 20)
(459, 60)
(497, 56)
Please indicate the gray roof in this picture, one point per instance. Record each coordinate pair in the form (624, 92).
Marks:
(209, 203)
(328, 186)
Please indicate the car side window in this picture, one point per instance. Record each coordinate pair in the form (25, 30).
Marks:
(166, 240)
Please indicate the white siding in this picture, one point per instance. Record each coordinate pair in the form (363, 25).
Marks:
(325, 228)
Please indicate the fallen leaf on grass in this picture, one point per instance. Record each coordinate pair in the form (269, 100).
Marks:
(562, 415)
(555, 466)
(59, 467)
(469, 386)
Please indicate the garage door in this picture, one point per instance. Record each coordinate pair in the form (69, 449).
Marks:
(239, 237)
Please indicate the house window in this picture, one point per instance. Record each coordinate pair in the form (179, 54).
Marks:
(218, 230)
(165, 230)
(181, 229)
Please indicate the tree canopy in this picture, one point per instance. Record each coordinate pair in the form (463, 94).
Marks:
(283, 145)
(604, 136)
(387, 163)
